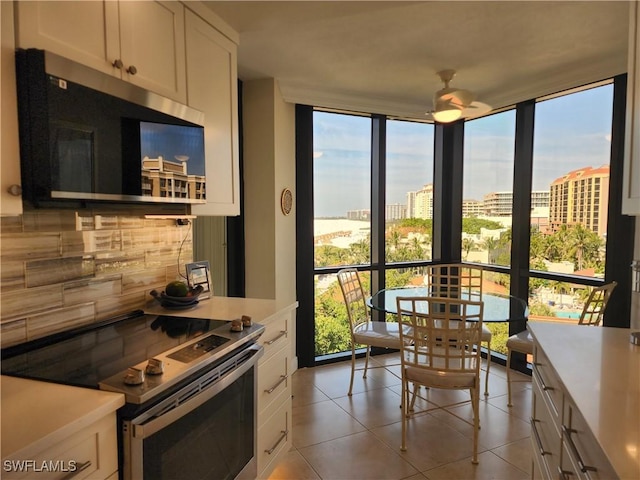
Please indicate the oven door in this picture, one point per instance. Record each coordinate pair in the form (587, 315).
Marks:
(206, 430)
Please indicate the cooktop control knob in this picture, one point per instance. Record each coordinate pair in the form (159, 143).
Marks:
(134, 376)
(154, 367)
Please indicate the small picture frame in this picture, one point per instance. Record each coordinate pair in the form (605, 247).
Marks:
(199, 273)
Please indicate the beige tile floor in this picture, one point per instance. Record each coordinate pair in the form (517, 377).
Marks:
(336, 437)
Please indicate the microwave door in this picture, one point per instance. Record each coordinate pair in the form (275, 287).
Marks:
(73, 161)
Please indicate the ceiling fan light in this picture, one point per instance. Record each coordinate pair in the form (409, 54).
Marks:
(447, 115)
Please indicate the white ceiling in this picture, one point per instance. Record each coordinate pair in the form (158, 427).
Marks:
(382, 56)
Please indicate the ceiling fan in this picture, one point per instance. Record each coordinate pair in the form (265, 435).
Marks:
(451, 104)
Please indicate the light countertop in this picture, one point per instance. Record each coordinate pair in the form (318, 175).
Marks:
(226, 308)
(36, 415)
(600, 370)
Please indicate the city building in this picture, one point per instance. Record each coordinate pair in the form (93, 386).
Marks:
(395, 211)
(472, 208)
(422, 203)
(581, 196)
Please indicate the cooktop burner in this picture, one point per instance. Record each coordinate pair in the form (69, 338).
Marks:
(90, 355)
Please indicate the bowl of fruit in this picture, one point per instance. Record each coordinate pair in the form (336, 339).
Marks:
(178, 294)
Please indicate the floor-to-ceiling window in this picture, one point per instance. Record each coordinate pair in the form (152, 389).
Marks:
(375, 179)
(408, 216)
(487, 206)
(570, 198)
(341, 218)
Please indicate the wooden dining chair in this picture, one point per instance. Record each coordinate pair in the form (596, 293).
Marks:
(363, 330)
(459, 280)
(591, 315)
(440, 349)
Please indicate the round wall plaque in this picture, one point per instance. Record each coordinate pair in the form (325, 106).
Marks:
(286, 201)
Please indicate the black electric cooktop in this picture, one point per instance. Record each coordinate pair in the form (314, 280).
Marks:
(86, 356)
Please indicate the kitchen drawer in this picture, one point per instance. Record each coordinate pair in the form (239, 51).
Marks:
(583, 448)
(539, 468)
(273, 379)
(549, 383)
(90, 453)
(274, 439)
(545, 433)
(275, 336)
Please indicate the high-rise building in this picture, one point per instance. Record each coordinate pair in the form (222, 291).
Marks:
(423, 206)
(500, 204)
(472, 208)
(395, 211)
(581, 196)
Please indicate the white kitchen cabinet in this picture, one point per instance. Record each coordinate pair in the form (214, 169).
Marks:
(564, 442)
(10, 198)
(274, 393)
(52, 431)
(631, 185)
(212, 88)
(141, 42)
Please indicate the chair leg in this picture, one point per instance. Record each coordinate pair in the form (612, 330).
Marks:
(404, 405)
(509, 378)
(353, 367)
(486, 378)
(475, 403)
(366, 361)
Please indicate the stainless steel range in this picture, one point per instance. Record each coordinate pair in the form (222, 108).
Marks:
(190, 388)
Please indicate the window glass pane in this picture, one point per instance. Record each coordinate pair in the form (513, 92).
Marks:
(488, 189)
(409, 191)
(341, 189)
(572, 146)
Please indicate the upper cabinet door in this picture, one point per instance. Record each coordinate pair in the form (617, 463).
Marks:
(631, 186)
(152, 47)
(213, 89)
(86, 32)
(10, 198)
(139, 41)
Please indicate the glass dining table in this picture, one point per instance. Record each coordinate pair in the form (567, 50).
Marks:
(497, 307)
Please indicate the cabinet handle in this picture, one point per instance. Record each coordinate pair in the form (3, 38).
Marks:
(118, 64)
(15, 190)
(536, 435)
(79, 468)
(282, 437)
(132, 70)
(545, 387)
(574, 450)
(282, 379)
(564, 474)
(274, 340)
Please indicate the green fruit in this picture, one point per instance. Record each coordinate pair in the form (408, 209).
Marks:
(177, 289)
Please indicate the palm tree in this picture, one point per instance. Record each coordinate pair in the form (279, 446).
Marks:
(467, 245)
(490, 244)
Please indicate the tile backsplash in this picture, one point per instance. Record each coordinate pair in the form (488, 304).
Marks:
(61, 269)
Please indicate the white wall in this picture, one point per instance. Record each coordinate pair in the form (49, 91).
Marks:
(269, 167)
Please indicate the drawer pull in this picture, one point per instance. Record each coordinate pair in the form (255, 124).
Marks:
(574, 450)
(79, 468)
(274, 340)
(282, 437)
(564, 474)
(282, 379)
(543, 385)
(536, 435)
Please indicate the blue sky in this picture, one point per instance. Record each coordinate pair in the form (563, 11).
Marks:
(571, 132)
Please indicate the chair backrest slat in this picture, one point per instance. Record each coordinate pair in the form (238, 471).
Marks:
(353, 295)
(456, 280)
(596, 304)
(441, 334)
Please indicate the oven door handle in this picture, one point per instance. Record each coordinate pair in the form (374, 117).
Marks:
(155, 424)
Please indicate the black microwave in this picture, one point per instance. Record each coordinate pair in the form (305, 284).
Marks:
(88, 136)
